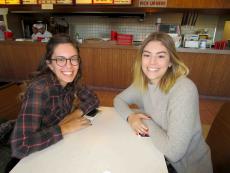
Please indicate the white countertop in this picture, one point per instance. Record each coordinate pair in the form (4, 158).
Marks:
(108, 146)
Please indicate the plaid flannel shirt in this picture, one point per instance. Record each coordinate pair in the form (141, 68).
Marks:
(45, 104)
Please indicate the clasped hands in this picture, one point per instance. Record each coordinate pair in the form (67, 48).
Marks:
(74, 122)
(137, 124)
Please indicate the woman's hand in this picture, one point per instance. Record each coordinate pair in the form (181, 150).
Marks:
(73, 122)
(73, 115)
(135, 121)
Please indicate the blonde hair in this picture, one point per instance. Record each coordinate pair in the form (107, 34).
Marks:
(177, 69)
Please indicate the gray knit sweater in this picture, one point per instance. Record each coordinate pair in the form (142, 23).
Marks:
(175, 128)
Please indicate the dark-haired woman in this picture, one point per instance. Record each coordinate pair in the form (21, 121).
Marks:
(47, 111)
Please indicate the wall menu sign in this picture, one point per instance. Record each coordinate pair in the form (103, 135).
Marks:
(70, 2)
(84, 1)
(2, 2)
(46, 1)
(47, 6)
(67, 2)
(122, 2)
(152, 3)
(29, 2)
(10, 2)
(102, 1)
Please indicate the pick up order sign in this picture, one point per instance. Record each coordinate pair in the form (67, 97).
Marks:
(152, 3)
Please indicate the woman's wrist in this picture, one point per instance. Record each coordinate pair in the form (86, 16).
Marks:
(63, 129)
(79, 112)
(129, 118)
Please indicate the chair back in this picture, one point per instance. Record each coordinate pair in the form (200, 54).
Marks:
(9, 102)
(218, 140)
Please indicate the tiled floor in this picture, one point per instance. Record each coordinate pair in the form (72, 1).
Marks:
(208, 107)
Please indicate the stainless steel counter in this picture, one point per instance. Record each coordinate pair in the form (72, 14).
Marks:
(208, 50)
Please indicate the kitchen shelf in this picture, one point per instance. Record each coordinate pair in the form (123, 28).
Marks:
(106, 9)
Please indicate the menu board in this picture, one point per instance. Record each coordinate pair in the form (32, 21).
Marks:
(84, 2)
(2, 2)
(46, 1)
(29, 1)
(64, 2)
(109, 2)
(122, 2)
(10, 2)
(55, 2)
(103, 1)
(70, 2)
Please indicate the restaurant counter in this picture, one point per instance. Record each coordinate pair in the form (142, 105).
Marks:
(109, 66)
(112, 44)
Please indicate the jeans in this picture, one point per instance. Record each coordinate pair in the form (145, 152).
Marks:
(11, 164)
(170, 167)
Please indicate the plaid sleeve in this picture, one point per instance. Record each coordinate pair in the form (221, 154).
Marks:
(88, 100)
(28, 136)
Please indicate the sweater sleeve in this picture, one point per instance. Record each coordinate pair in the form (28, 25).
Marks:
(88, 100)
(183, 111)
(122, 101)
(28, 136)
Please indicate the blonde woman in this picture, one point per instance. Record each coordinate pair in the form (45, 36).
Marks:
(168, 106)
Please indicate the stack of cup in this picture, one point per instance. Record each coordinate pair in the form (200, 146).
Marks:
(113, 35)
(2, 29)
